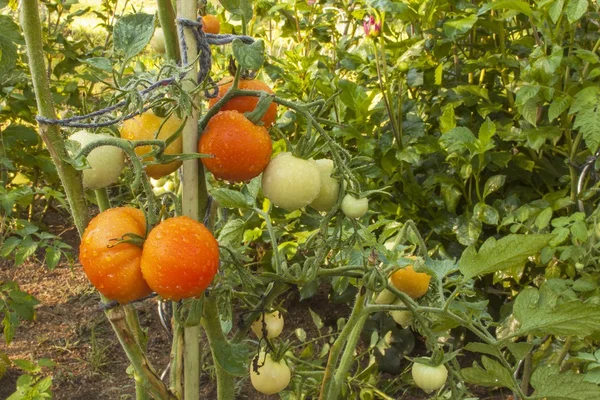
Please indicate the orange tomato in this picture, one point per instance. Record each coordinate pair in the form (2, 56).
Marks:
(245, 103)
(114, 269)
(241, 149)
(211, 24)
(144, 127)
(180, 258)
(414, 284)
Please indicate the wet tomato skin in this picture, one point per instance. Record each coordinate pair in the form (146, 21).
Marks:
(180, 258)
(114, 269)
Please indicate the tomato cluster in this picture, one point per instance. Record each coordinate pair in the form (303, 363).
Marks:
(179, 258)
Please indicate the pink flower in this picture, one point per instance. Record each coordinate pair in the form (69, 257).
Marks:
(311, 2)
(372, 27)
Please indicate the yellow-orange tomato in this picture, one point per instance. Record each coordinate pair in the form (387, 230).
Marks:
(180, 258)
(414, 284)
(211, 24)
(246, 103)
(114, 269)
(241, 149)
(144, 127)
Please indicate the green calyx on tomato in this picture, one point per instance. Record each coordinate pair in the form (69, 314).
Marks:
(106, 162)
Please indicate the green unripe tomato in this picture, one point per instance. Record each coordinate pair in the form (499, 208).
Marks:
(353, 207)
(403, 66)
(290, 182)
(429, 378)
(273, 322)
(330, 187)
(385, 297)
(271, 377)
(158, 41)
(169, 186)
(402, 317)
(106, 162)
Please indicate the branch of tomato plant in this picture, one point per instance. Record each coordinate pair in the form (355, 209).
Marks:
(329, 384)
(166, 16)
(69, 176)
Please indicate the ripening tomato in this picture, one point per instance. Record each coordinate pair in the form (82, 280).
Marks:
(211, 24)
(158, 41)
(271, 376)
(106, 162)
(273, 324)
(114, 269)
(144, 127)
(330, 187)
(180, 258)
(407, 280)
(245, 103)
(353, 207)
(290, 182)
(402, 317)
(429, 378)
(241, 149)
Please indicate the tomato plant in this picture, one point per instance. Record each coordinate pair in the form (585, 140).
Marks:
(240, 149)
(180, 258)
(267, 375)
(111, 264)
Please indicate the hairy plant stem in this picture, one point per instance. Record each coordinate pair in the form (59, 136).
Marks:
(176, 359)
(69, 176)
(214, 333)
(329, 384)
(166, 16)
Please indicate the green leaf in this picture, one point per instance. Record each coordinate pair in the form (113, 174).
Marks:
(388, 6)
(514, 5)
(469, 230)
(486, 214)
(585, 98)
(353, 95)
(550, 384)
(525, 93)
(316, 319)
(25, 250)
(132, 33)
(529, 111)
(238, 7)
(511, 251)
(519, 350)
(10, 30)
(250, 56)
(232, 232)
(101, 63)
(576, 9)
(588, 123)
(447, 120)
(458, 139)
(556, 10)
(493, 184)
(543, 219)
(52, 257)
(559, 105)
(9, 246)
(232, 357)
(459, 27)
(229, 198)
(540, 312)
(493, 374)
(27, 365)
(8, 55)
(482, 348)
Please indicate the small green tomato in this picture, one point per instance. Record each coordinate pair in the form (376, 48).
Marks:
(353, 207)
(106, 162)
(158, 41)
(429, 378)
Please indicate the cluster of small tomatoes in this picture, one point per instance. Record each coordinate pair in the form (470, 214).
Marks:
(179, 257)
